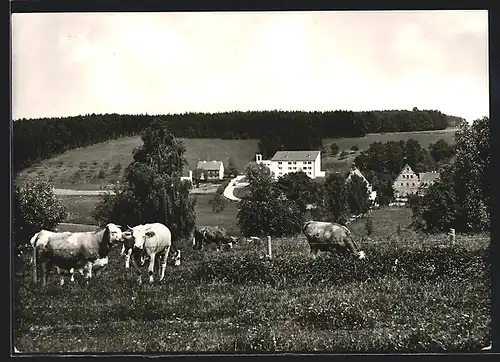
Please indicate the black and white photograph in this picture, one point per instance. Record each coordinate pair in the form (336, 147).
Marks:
(251, 182)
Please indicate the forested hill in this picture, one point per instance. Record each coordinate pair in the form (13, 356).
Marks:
(38, 139)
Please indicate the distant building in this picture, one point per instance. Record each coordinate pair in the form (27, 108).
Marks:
(187, 176)
(355, 171)
(285, 162)
(213, 170)
(409, 182)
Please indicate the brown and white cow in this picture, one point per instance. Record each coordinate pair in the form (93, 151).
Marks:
(333, 237)
(206, 235)
(78, 250)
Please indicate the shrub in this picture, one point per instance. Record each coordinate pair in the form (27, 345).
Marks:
(35, 208)
(369, 226)
(343, 154)
(218, 203)
(274, 217)
(101, 174)
(334, 149)
(117, 168)
(355, 148)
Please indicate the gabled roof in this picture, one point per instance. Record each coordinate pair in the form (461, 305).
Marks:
(355, 171)
(295, 155)
(406, 168)
(209, 165)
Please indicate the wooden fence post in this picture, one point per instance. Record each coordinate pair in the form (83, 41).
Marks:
(451, 235)
(269, 249)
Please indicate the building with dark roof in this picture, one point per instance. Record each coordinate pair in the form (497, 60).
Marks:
(285, 162)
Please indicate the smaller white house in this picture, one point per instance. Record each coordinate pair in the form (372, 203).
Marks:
(214, 170)
(355, 171)
(189, 177)
(285, 162)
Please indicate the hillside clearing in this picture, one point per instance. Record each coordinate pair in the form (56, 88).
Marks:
(102, 164)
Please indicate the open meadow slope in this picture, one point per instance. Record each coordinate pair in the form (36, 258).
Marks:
(437, 298)
(102, 164)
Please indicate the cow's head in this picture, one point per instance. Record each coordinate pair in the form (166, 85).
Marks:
(115, 233)
(352, 246)
(140, 235)
(198, 238)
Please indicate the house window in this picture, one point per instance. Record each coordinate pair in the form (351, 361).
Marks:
(413, 183)
(288, 163)
(401, 184)
(294, 162)
(279, 163)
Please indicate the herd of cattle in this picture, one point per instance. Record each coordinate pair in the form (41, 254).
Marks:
(87, 252)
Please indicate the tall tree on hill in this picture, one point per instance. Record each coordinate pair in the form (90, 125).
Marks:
(153, 191)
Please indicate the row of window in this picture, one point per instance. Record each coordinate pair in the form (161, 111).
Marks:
(295, 162)
(413, 184)
(295, 168)
(408, 176)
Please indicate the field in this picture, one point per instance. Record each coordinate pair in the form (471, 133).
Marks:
(437, 298)
(102, 164)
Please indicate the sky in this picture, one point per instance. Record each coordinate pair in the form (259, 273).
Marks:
(69, 64)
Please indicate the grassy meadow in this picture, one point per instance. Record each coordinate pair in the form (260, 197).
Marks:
(437, 298)
(102, 164)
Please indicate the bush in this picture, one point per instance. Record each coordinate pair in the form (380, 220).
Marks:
(35, 208)
(334, 149)
(355, 148)
(369, 226)
(343, 154)
(218, 203)
(274, 217)
(117, 168)
(101, 174)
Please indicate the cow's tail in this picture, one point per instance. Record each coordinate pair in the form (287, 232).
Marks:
(304, 227)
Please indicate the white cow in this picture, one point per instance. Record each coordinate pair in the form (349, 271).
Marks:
(153, 242)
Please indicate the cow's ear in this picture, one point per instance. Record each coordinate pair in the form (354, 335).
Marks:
(150, 233)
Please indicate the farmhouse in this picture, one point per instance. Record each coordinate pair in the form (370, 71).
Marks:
(212, 170)
(355, 171)
(409, 182)
(285, 162)
(187, 176)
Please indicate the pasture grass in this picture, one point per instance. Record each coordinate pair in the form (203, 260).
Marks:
(79, 168)
(436, 299)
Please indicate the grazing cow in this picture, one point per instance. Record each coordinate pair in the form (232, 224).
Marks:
(205, 235)
(153, 242)
(326, 236)
(78, 250)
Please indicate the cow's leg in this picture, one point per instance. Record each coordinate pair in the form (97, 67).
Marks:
(151, 266)
(72, 275)
(314, 251)
(177, 258)
(127, 258)
(137, 269)
(43, 270)
(164, 263)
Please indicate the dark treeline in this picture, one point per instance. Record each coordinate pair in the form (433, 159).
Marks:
(38, 139)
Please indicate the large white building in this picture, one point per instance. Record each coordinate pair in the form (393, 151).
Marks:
(285, 162)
